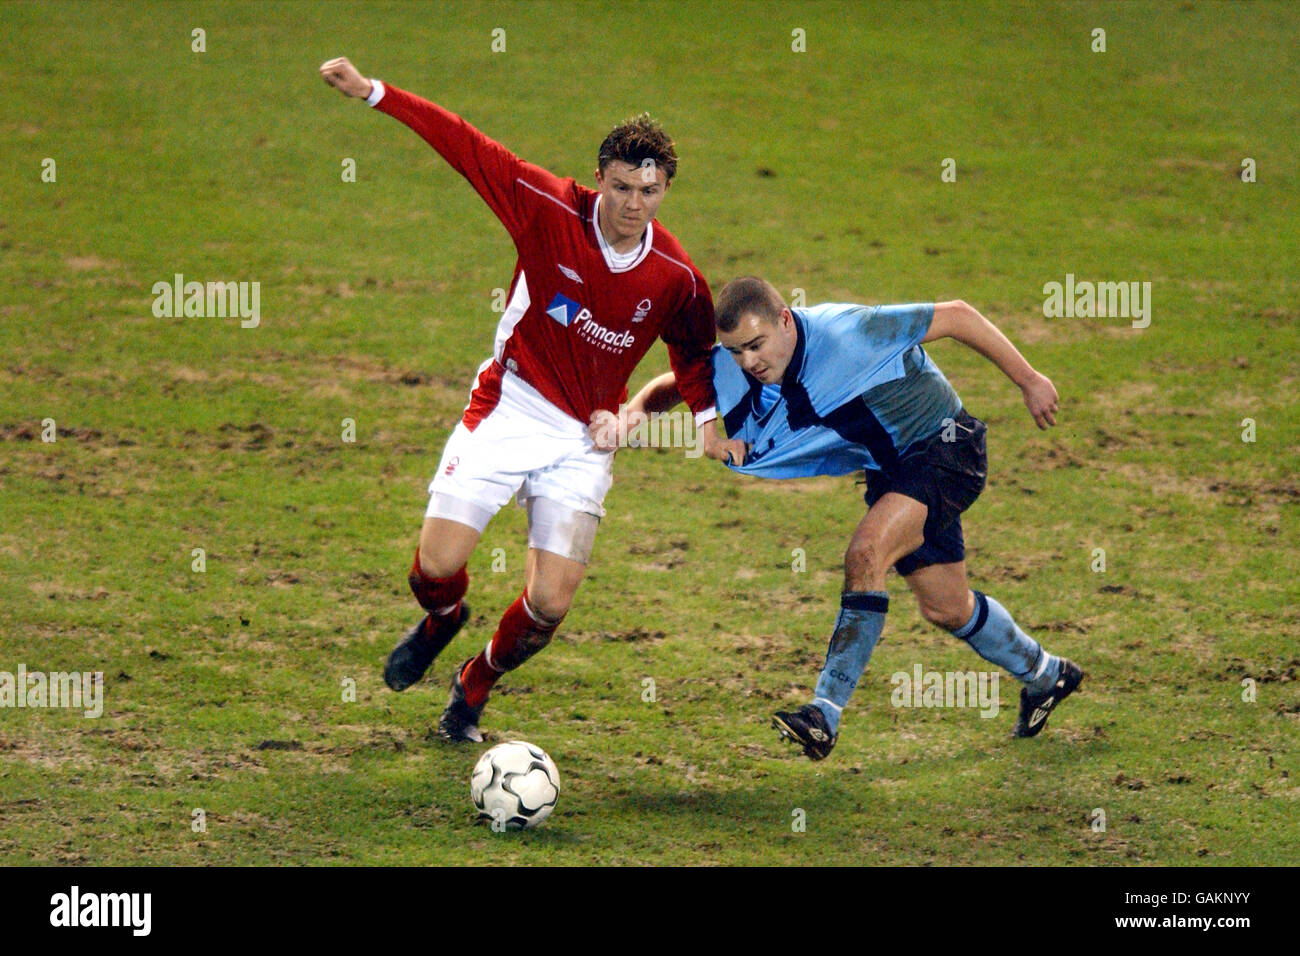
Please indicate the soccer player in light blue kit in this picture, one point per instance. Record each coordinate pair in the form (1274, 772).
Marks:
(831, 389)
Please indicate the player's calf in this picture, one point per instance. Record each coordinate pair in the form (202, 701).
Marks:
(520, 635)
(442, 599)
(949, 615)
(1048, 679)
(815, 726)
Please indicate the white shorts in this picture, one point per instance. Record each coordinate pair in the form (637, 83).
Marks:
(512, 441)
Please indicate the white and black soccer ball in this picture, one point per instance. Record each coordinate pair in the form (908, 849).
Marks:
(515, 784)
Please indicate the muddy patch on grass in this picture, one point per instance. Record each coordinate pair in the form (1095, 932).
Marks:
(1162, 482)
(13, 372)
(634, 635)
(362, 368)
(1281, 672)
(251, 437)
(33, 431)
(67, 752)
(671, 554)
(1246, 494)
(56, 591)
(371, 741)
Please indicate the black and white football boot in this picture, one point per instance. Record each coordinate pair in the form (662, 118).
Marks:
(459, 721)
(412, 657)
(806, 727)
(1035, 708)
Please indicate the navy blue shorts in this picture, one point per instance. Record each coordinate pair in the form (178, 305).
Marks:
(946, 477)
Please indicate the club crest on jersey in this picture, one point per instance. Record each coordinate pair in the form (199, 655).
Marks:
(565, 311)
(642, 310)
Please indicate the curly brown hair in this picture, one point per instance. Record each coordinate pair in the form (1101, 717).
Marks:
(637, 140)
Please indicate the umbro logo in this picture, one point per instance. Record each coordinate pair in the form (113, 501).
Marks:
(569, 273)
(1040, 714)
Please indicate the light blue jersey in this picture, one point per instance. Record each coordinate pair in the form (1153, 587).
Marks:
(858, 392)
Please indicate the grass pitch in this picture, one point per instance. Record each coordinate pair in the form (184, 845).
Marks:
(224, 691)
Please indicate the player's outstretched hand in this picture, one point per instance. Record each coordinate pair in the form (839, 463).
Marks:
(729, 451)
(1040, 399)
(610, 432)
(344, 77)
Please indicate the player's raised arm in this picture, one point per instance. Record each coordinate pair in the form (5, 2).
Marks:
(500, 177)
(957, 320)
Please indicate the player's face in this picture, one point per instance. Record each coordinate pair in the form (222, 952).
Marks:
(761, 347)
(630, 198)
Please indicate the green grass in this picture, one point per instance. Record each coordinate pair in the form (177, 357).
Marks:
(819, 170)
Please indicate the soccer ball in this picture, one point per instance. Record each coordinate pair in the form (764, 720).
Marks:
(515, 784)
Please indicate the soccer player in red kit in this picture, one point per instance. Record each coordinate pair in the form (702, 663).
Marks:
(597, 280)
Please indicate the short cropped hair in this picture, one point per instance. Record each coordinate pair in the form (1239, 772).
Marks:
(639, 141)
(748, 295)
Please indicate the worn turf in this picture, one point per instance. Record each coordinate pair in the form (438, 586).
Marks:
(227, 736)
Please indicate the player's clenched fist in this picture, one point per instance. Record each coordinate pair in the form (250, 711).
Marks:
(344, 77)
(607, 430)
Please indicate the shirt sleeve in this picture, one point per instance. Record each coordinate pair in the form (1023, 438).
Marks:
(896, 328)
(689, 337)
(511, 187)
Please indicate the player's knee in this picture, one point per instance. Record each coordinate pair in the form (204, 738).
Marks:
(436, 565)
(548, 604)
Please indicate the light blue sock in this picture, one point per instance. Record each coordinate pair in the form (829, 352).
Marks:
(996, 638)
(857, 629)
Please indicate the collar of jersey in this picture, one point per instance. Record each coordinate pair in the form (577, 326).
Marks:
(647, 241)
(791, 376)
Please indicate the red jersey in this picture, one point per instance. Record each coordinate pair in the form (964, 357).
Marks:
(575, 325)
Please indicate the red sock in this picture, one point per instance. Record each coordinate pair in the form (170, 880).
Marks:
(439, 596)
(477, 680)
(518, 637)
